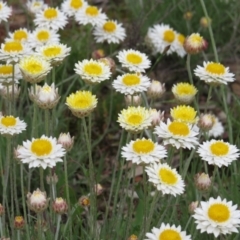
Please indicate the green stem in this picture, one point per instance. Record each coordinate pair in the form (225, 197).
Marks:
(188, 222)
(41, 178)
(18, 235)
(1, 227)
(34, 123)
(187, 163)
(39, 226)
(46, 111)
(15, 187)
(58, 226)
(208, 97)
(13, 93)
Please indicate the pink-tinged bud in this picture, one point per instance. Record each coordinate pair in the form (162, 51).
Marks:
(156, 90)
(16, 152)
(135, 100)
(110, 63)
(192, 206)
(60, 206)
(19, 222)
(8, 93)
(84, 201)
(157, 117)
(194, 44)
(98, 189)
(37, 201)
(98, 54)
(205, 22)
(202, 181)
(52, 179)
(133, 237)
(66, 141)
(188, 15)
(1, 209)
(206, 122)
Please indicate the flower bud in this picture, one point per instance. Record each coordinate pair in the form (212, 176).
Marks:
(8, 93)
(133, 100)
(37, 201)
(60, 206)
(110, 63)
(156, 89)
(157, 117)
(98, 54)
(202, 181)
(19, 222)
(52, 179)
(16, 152)
(194, 44)
(206, 122)
(192, 206)
(66, 141)
(188, 15)
(98, 189)
(84, 201)
(205, 22)
(1, 209)
(133, 237)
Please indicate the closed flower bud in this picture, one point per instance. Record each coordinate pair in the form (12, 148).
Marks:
(19, 222)
(37, 201)
(192, 206)
(1, 209)
(188, 15)
(133, 237)
(202, 181)
(157, 117)
(52, 179)
(60, 206)
(194, 44)
(16, 153)
(205, 22)
(66, 141)
(110, 63)
(8, 93)
(98, 189)
(133, 100)
(156, 90)
(98, 54)
(206, 122)
(84, 201)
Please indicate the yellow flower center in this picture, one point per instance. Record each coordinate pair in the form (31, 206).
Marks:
(93, 69)
(169, 36)
(92, 11)
(52, 51)
(185, 89)
(20, 35)
(218, 212)
(109, 26)
(131, 79)
(215, 68)
(47, 89)
(8, 121)
(81, 100)
(196, 39)
(37, 4)
(169, 234)
(135, 119)
(181, 38)
(179, 128)
(50, 13)
(41, 147)
(6, 69)
(76, 4)
(13, 46)
(18, 219)
(33, 67)
(219, 148)
(167, 176)
(143, 146)
(184, 113)
(43, 35)
(134, 58)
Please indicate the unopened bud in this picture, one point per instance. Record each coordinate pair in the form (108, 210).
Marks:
(133, 237)
(188, 15)
(19, 222)
(205, 22)
(195, 43)
(156, 89)
(157, 117)
(202, 181)
(84, 201)
(133, 100)
(66, 141)
(10, 92)
(98, 54)
(206, 122)
(60, 206)
(52, 179)
(98, 189)
(110, 63)
(192, 206)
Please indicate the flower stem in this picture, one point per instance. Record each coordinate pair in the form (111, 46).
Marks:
(39, 226)
(58, 226)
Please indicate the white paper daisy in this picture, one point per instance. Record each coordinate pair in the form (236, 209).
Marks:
(6, 73)
(92, 71)
(133, 60)
(178, 134)
(179, 40)
(43, 36)
(41, 152)
(22, 35)
(35, 6)
(217, 129)
(5, 11)
(90, 14)
(51, 17)
(109, 31)
(167, 232)
(131, 83)
(54, 53)
(218, 152)
(143, 151)
(214, 73)
(135, 119)
(165, 179)
(217, 216)
(10, 125)
(72, 7)
(13, 51)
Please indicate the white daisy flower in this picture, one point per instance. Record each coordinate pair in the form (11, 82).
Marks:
(10, 125)
(214, 73)
(90, 14)
(131, 83)
(41, 152)
(178, 134)
(133, 60)
(13, 51)
(135, 119)
(167, 232)
(218, 152)
(72, 7)
(109, 31)
(217, 128)
(165, 179)
(217, 216)
(51, 17)
(143, 151)
(22, 35)
(6, 73)
(35, 6)
(43, 36)
(92, 71)
(5, 11)
(179, 40)
(54, 53)
(161, 37)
